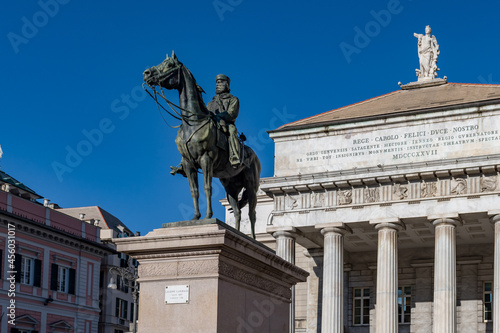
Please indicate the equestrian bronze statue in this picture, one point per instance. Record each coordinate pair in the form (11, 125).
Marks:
(204, 145)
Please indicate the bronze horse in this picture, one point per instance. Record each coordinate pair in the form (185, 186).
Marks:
(197, 142)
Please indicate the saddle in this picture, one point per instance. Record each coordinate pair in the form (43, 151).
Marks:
(222, 139)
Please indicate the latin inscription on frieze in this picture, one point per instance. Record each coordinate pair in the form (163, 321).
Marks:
(433, 141)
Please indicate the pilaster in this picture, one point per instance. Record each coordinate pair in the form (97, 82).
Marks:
(314, 289)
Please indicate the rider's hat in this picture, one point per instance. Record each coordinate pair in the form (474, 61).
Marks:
(222, 77)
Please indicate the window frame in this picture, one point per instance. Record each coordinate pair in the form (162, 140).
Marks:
(404, 296)
(487, 292)
(121, 309)
(62, 279)
(27, 278)
(362, 307)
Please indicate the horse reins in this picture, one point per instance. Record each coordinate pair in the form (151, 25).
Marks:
(172, 105)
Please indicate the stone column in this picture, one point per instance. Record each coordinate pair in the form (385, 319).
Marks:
(495, 219)
(314, 289)
(445, 275)
(386, 308)
(285, 248)
(332, 311)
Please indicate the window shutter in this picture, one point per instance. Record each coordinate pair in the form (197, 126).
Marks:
(53, 276)
(132, 311)
(17, 266)
(1, 263)
(117, 310)
(38, 273)
(125, 307)
(72, 281)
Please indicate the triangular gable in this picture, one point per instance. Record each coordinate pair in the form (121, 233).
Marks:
(26, 320)
(61, 325)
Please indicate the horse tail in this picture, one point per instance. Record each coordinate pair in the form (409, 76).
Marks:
(252, 178)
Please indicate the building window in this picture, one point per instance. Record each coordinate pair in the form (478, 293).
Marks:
(122, 283)
(28, 270)
(488, 301)
(121, 308)
(63, 279)
(404, 304)
(361, 306)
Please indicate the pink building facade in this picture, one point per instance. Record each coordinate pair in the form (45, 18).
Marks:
(49, 266)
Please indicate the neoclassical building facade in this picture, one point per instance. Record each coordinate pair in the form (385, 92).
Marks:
(393, 206)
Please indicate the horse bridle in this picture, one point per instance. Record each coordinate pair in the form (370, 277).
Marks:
(172, 105)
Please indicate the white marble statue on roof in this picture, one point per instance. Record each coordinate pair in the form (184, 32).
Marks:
(428, 52)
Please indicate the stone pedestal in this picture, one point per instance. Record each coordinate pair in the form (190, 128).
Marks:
(232, 283)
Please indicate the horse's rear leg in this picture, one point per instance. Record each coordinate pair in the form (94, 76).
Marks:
(207, 167)
(252, 204)
(233, 201)
(192, 175)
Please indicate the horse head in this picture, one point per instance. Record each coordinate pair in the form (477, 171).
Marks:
(166, 74)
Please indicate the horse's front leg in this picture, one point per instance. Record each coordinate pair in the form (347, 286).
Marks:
(192, 175)
(208, 171)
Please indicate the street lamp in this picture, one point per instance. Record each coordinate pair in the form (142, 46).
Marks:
(128, 276)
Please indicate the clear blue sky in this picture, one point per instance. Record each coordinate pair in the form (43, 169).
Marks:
(76, 67)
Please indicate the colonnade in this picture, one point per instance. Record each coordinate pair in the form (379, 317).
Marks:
(386, 309)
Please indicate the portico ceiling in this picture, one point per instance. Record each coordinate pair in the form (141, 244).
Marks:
(419, 232)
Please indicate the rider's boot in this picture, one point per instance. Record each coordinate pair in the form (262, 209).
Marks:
(178, 170)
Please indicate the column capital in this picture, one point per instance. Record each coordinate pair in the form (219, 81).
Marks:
(290, 232)
(391, 223)
(450, 219)
(494, 216)
(446, 221)
(335, 227)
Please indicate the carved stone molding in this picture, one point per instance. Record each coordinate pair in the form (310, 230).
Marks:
(290, 202)
(318, 199)
(428, 190)
(344, 197)
(371, 195)
(400, 191)
(253, 280)
(174, 255)
(459, 186)
(488, 184)
(157, 269)
(440, 184)
(178, 268)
